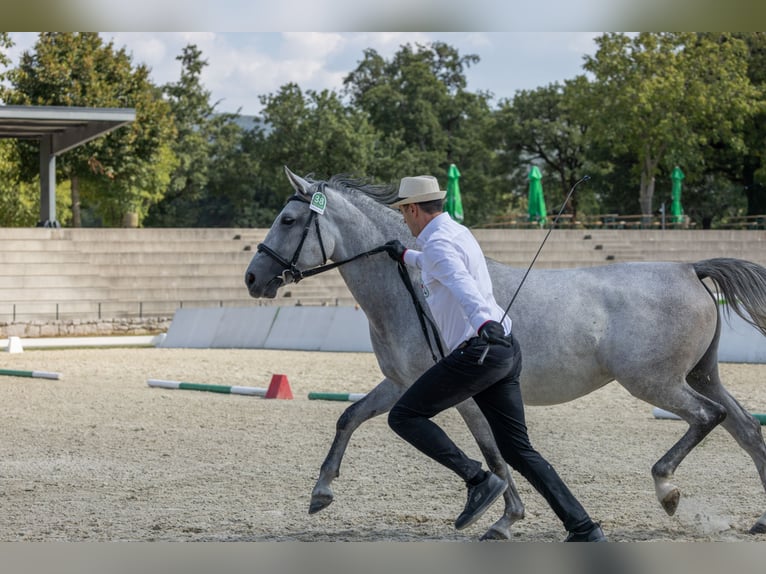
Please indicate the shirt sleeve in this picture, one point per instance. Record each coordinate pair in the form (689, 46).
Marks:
(413, 258)
(447, 265)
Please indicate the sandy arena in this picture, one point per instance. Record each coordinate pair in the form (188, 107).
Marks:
(101, 456)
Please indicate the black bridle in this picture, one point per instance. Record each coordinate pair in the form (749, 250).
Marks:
(297, 274)
(291, 266)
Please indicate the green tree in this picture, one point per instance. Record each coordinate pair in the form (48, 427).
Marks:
(666, 97)
(233, 175)
(5, 61)
(19, 200)
(541, 127)
(427, 119)
(120, 172)
(311, 132)
(198, 129)
(754, 160)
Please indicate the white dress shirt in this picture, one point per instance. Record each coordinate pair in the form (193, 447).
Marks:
(455, 280)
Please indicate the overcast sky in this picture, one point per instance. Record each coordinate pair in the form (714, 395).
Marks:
(245, 65)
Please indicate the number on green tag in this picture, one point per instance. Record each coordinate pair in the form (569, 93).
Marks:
(318, 202)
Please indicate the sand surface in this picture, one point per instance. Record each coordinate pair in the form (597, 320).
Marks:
(101, 456)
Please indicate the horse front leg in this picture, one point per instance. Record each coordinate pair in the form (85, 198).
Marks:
(376, 402)
(514, 507)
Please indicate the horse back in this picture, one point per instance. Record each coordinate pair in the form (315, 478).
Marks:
(583, 327)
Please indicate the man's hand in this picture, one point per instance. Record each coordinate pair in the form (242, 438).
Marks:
(493, 333)
(395, 250)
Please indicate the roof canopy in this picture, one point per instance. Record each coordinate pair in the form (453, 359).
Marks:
(59, 129)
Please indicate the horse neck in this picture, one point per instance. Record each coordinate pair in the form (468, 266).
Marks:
(373, 280)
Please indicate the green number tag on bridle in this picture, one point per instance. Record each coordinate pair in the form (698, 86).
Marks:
(318, 202)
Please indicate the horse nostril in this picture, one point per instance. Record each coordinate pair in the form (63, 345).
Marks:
(249, 278)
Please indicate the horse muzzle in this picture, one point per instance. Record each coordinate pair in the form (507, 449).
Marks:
(266, 290)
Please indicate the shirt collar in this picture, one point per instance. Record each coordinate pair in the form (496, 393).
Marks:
(431, 227)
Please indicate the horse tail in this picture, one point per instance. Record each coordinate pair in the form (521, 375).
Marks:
(743, 285)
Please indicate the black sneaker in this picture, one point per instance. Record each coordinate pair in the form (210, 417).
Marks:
(593, 534)
(480, 497)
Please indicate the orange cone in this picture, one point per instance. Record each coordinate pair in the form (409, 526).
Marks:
(279, 388)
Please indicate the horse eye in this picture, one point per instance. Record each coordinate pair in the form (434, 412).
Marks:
(287, 220)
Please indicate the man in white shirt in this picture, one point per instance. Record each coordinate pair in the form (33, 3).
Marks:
(458, 289)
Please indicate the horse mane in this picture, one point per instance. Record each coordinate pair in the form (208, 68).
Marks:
(381, 193)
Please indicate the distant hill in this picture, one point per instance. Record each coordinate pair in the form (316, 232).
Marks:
(248, 122)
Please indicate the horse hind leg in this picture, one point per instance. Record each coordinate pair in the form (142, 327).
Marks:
(701, 413)
(514, 507)
(740, 424)
(376, 402)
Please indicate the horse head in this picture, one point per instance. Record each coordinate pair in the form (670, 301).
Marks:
(296, 241)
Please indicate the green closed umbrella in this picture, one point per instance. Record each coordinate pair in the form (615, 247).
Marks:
(536, 201)
(453, 204)
(676, 211)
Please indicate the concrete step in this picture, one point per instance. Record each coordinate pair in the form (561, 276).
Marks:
(42, 257)
(141, 258)
(43, 268)
(150, 234)
(159, 246)
(176, 293)
(43, 245)
(58, 293)
(28, 281)
(232, 281)
(172, 270)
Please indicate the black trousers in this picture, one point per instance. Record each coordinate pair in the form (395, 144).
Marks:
(495, 387)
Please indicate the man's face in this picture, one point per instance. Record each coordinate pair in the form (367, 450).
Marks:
(409, 212)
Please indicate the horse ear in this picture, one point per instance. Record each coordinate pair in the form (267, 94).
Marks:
(299, 184)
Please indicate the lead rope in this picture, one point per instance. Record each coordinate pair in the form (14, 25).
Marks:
(422, 317)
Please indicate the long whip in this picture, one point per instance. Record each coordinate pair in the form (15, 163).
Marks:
(524, 278)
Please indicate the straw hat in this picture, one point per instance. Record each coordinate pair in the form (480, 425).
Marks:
(418, 189)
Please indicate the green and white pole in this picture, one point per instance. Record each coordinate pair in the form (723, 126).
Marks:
(231, 390)
(30, 374)
(663, 414)
(353, 397)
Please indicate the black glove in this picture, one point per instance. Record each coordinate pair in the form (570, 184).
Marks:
(493, 333)
(395, 250)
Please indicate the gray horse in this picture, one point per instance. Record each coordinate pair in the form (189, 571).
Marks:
(652, 327)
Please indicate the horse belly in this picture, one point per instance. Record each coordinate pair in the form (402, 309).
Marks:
(554, 384)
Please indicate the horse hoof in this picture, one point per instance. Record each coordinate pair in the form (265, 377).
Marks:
(670, 501)
(320, 501)
(758, 528)
(496, 534)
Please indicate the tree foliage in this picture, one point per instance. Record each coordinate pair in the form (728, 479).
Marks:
(542, 128)
(754, 160)
(198, 132)
(122, 171)
(427, 119)
(311, 132)
(664, 97)
(5, 61)
(19, 200)
(645, 103)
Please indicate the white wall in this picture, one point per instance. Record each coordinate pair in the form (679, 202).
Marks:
(346, 329)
